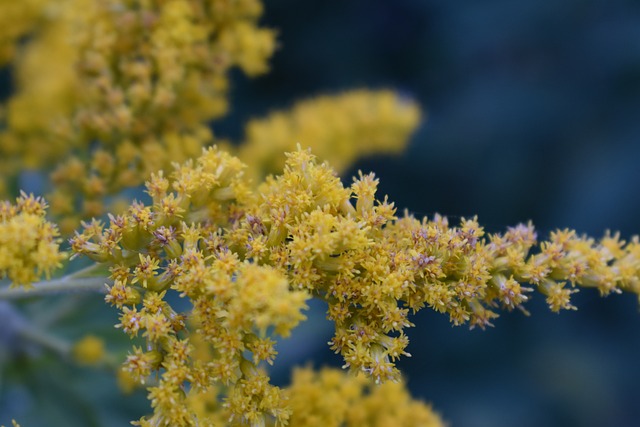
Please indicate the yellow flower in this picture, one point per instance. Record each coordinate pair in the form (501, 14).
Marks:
(89, 350)
(29, 244)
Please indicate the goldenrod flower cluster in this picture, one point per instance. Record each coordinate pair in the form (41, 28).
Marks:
(131, 89)
(329, 398)
(246, 260)
(178, 245)
(17, 18)
(29, 244)
(339, 129)
(132, 86)
(36, 126)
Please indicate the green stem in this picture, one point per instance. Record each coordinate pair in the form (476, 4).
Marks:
(50, 342)
(87, 271)
(53, 311)
(64, 284)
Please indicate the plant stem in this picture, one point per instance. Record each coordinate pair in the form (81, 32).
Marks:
(86, 272)
(70, 283)
(50, 342)
(16, 329)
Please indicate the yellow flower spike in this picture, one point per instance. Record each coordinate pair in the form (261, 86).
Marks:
(246, 262)
(338, 128)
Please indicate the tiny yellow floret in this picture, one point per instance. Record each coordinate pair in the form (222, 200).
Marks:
(89, 350)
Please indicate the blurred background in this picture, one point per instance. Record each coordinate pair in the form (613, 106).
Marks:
(533, 113)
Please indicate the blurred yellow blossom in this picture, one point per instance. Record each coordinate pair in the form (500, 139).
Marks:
(339, 128)
(130, 87)
(331, 398)
(89, 350)
(17, 18)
